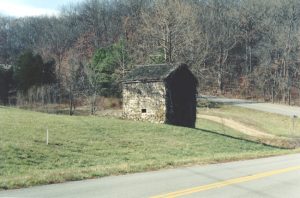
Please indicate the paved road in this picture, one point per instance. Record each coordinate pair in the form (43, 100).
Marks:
(268, 177)
(267, 107)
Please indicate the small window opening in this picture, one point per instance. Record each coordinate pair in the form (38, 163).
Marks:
(144, 110)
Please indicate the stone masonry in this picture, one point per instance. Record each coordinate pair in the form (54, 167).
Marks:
(145, 101)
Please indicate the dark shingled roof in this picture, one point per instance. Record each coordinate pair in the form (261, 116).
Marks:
(5, 66)
(149, 73)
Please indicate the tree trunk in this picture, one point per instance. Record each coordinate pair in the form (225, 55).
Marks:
(71, 101)
(71, 110)
(289, 96)
(220, 82)
(93, 103)
(170, 47)
(273, 94)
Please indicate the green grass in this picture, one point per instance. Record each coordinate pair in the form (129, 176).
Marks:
(266, 122)
(88, 147)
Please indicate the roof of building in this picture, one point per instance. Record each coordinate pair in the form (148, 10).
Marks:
(149, 73)
(5, 66)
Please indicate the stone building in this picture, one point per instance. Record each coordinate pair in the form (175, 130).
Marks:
(161, 93)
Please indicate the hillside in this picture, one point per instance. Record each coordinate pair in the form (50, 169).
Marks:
(88, 147)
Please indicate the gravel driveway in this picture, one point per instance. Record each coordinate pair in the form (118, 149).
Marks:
(260, 106)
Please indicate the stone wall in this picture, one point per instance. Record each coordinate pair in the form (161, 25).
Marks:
(144, 101)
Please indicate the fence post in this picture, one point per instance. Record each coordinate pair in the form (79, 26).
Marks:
(47, 136)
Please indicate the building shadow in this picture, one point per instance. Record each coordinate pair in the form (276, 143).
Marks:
(236, 138)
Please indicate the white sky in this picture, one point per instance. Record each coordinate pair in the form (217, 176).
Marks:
(21, 8)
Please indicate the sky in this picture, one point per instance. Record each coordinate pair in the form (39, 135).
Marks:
(22, 8)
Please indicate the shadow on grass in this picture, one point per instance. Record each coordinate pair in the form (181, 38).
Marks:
(239, 138)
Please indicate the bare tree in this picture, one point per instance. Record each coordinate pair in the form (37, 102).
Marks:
(168, 29)
(222, 33)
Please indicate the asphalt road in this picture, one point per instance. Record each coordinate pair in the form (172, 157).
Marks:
(267, 177)
(267, 107)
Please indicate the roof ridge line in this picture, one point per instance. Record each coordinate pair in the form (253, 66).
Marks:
(166, 64)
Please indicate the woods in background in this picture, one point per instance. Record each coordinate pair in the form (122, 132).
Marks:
(246, 48)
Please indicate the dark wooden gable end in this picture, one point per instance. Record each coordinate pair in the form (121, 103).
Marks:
(181, 97)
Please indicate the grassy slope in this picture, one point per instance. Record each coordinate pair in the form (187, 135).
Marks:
(87, 147)
(263, 121)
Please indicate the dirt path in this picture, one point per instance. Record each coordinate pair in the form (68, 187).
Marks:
(237, 126)
(254, 134)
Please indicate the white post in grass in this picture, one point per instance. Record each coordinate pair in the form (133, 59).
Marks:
(47, 136)
(294, 119)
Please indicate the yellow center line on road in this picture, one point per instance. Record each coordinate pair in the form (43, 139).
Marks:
(226, 183)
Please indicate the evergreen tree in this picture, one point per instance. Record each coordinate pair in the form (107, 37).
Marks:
(30, 70)
(6, 83)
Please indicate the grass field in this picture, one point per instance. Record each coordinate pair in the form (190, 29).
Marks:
(267, 122)
(88, 147)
